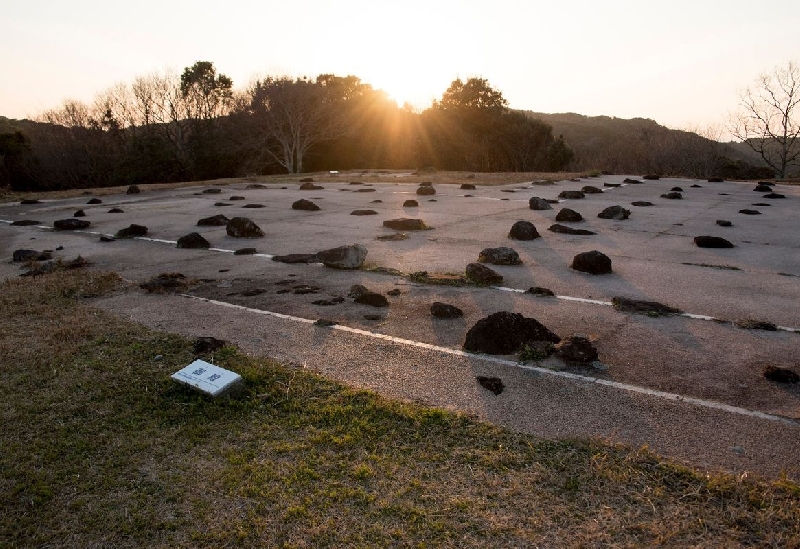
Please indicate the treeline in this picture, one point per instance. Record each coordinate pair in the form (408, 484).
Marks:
(166, 127)
(640, 145)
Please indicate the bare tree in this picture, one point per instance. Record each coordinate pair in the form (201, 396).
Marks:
(768, 120)
(293, 116)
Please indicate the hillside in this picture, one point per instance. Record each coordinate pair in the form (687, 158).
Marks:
(642, 145)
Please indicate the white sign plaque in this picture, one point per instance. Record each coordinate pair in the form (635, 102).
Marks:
(207, 378)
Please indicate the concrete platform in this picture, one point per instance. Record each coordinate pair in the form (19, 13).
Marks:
(653, 258)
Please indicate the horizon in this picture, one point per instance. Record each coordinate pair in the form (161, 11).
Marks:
(681, 65)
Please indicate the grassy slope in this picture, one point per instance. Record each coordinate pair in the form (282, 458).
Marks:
(100, 448)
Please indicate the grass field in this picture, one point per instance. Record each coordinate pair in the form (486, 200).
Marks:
(99, 448)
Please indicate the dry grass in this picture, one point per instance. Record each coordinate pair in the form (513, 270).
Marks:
(100, 448)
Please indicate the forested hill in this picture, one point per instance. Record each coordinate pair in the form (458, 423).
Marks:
(639, 145)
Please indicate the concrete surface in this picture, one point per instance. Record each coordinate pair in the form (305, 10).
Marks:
(653, 258)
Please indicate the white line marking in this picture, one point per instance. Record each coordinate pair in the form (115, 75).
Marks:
(489, 358)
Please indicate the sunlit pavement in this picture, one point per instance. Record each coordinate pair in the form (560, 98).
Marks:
(653, 258)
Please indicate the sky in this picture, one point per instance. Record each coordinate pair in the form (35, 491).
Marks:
(679, 62)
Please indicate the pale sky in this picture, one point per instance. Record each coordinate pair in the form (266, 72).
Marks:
(679, 62)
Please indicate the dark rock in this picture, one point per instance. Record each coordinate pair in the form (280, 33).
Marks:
(307, 180)
(696, 186)
(761, 204)
(557, 228)
(211, 191)
(256, 186)
(253, 206)
(372, 317)
(193, 241)
(424, 190)
(781, 375)
(309, 186)
(214, 221)
(365, 190)
(774, 195)
(373, 299)
(131, 231)
(304, 204)
(304, 289)
(761, 188)
(70, 224)
(576, 349)
(676, 189)
(711, 242)
(356, 183)
(503, 333)
(641, 203)
(405, 224)
(25, 223)
(363, 212)
(328, 302)
(394, 293)
(392, 237)
(245, 251)
(651, 177)
(481, 274)
(325, 323)
(222, 204)
(377, 202)
(537, 203)
(95, 201)
(631, 181)
(715, 180)
(296, 258)
(207, 344)
(612, 185)
(589, 189)
(542, 292)
(79, 213)
(523, 230)
(357, 290)
(724, 223)
(105, 238)
(468, 186)
(115, 211)
(166, 283)
(468, 196)
(753, 324)
(499, 256)
(30, 255)
(614, 212)
(29, 201)
(133, 189)
(749, 212)
(232, 198)
(443, 310)
(639, 306)
(243, 227)
(410, 204)
(571, 195)
(566, 214)
(724, 194)
(343, 257)
(507, 191)
(593, 262)
(493, 384)
(672, 195)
